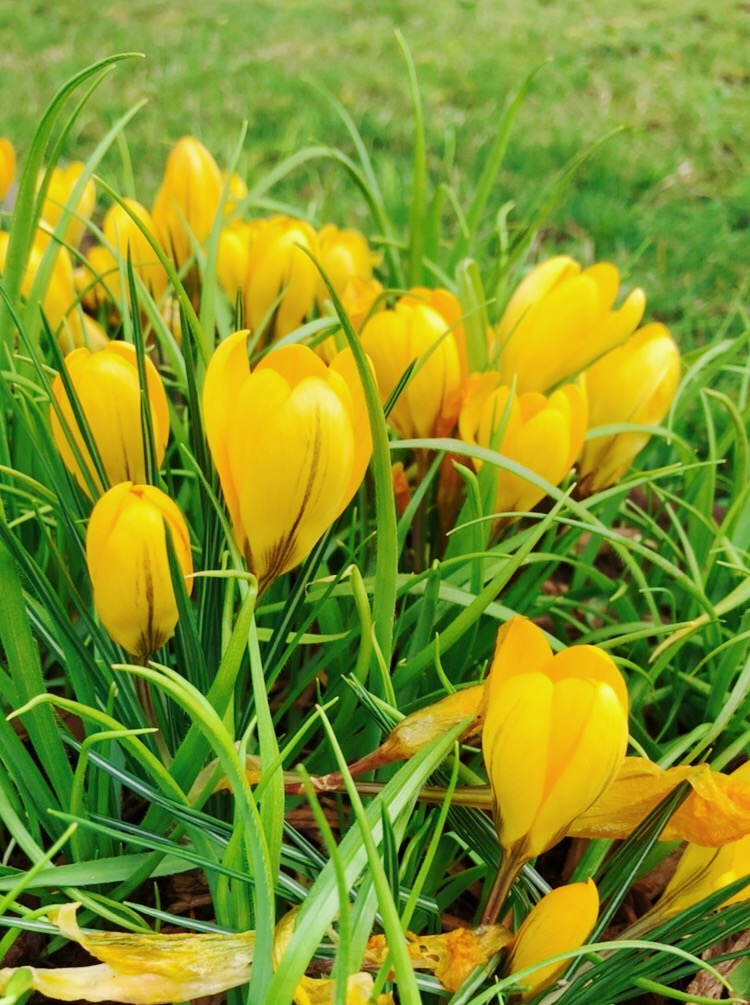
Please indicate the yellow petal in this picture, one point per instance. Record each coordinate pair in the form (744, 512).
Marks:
(108, 389)
(515, 746)
(521, 647)
(227, 371)
(289, 504)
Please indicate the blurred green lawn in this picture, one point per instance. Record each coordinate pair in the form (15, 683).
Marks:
(668, 198)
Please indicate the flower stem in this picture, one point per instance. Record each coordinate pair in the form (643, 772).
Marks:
(501, 885)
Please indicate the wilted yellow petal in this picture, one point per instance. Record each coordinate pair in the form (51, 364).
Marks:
(144, 969)
(322, 991)
(715, 813)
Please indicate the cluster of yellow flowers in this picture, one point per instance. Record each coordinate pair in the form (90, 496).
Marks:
(563, 361)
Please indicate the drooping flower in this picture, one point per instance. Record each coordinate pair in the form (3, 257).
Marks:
(544, 434)
(634, 383)
(290, 444)
(108, 391)
(128, 562)
(561, 319)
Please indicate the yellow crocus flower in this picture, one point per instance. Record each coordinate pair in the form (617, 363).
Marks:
(560, 319)
(106, 384)
(554, 736)
(187, 202)
(544, 434)
(62, 182)
(634, 383)
(414, 332)
(128, 562)
(282, 278)
(289, 444)
(7, 166)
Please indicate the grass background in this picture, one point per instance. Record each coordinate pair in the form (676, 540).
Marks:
(667, 198)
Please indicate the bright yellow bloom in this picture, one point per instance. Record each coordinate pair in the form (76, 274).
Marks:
(282, 278)
(108, 391)
(128, 562)
(561, 319)
(560, 922)
(344, 255)
(289, 444)
(634, 383)
(448, 306)
(7, 166)
(188, 200)
(59, 192)
(543, 434)
(554, 737)
(394, 339)
(124, 235)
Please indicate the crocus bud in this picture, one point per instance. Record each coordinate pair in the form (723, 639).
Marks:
(188, 200)
(109, 395)
(560, 922)
(554, 737)
(59, 191)
(543, 434)
(344, 255)
(289, 480)
(561, 319)
(126, 238)
(282, 278)
(128, 562)
(394, 339)
(634, 383)
(7, 166)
